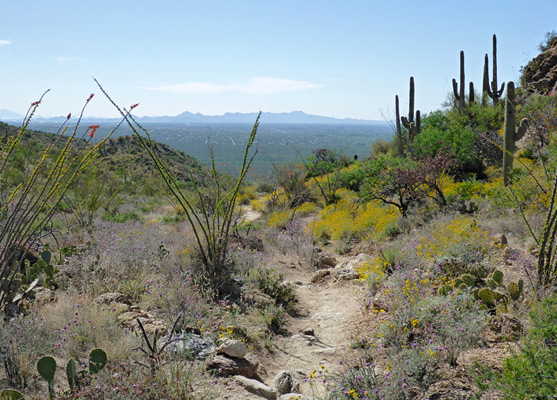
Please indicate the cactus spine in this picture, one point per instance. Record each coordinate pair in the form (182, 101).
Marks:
(413, 126)
(491, 89)
(511, 135)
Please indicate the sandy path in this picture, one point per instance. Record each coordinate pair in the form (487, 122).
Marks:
(331, 309)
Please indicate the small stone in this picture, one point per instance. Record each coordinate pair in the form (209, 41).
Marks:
(308, 331)
(328, 262)
(285, 382)
(320, 276)
(232, 348)
(259, 388)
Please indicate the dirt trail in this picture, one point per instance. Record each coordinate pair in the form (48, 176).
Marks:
(331, 309)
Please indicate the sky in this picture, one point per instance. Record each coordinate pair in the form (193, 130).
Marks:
(344, 59)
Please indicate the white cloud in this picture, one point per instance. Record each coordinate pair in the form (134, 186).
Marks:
(5, 42)
(259, 85)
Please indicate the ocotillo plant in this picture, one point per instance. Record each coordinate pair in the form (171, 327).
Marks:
(413, 126)
(491, 88)
(511, 134)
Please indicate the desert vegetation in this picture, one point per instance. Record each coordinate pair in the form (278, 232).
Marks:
(425, 270)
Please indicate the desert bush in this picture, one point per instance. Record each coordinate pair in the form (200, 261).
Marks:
(547, 41)
(111, 254)
(22, 340)
(350, 218)
(358, 380)
(291, 179)
(126, 380)
(325, 168)
(381, 146)
(460, 237)
(270, 282)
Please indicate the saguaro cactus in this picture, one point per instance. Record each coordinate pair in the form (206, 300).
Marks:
(399, 138)
(491, 88)
(459, 88)
(511, 134)
(413, 126)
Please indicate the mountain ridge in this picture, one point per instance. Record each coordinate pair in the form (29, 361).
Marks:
(293, 117)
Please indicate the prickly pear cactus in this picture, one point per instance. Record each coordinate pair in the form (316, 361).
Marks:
(97, 360)
(9, 394)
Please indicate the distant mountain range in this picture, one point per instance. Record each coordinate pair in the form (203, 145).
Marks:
(294, 117)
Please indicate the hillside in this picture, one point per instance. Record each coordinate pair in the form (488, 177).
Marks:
(424, 270)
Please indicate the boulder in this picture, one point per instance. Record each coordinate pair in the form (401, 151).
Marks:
(541, 73)
(189, 344)
(222, 365)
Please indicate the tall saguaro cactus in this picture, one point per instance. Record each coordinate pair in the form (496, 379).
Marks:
(511, 134)
(459, 94)
(491, 88)
(459, 88)
(413, 126)
(399, 138)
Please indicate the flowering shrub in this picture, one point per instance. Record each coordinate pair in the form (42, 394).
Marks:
(459, 236)
(347, 218)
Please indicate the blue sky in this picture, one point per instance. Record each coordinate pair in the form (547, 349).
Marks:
(335, 58)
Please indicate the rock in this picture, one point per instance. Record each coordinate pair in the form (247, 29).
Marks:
(500, 240)
(293, 396)
(347, 274)
(44, 295)
(308, 331)
(232, 348)
(328, 262)
(285, 382)
(189, 344)
(222, 365)
(151, 325)
(109, 298)
(257, 298)
(308, 340)
(253, 386)
(353, 264)
(541, 73)
(320, 276)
